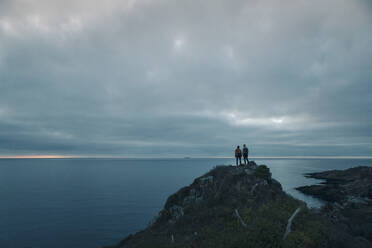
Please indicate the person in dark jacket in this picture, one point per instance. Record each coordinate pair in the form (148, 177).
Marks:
(238, 156)
(245, 154)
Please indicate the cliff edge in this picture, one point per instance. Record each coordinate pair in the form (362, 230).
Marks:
(233, 207)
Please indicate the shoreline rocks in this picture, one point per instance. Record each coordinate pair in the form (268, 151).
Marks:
(348, 194)
(243, 206)
(342, 186)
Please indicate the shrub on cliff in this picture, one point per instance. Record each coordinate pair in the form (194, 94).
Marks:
(237, 209)
(262, 171)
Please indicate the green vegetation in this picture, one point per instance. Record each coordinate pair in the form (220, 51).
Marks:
(218, 227)
(212, 222)
(262, 171)
(265, 228)
(308, 230)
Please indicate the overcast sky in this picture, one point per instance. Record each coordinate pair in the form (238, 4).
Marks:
(185, 78)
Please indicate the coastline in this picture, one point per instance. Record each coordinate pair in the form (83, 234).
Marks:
(175, 225)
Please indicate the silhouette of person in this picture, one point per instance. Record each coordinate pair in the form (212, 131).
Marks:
(245, 154)
(238, 156)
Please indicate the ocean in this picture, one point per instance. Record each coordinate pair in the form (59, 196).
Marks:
(79, 203)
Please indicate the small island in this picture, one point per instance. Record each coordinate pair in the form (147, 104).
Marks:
(244, 207)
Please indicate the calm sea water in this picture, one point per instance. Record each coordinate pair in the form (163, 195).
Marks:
(95, 202)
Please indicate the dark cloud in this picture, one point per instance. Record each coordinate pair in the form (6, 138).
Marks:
(176, 78)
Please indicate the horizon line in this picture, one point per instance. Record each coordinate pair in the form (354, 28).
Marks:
(173, 157)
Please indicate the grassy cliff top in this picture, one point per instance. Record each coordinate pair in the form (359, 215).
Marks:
(232, 207)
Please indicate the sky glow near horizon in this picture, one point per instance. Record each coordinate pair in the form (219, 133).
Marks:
(179, 78)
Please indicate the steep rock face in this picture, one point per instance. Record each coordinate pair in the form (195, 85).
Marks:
(232, 207)
(349, 203)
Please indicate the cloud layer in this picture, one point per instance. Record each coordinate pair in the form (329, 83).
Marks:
(175, 78)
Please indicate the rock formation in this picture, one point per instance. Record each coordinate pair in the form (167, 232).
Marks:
(233, 207)
(348, 196)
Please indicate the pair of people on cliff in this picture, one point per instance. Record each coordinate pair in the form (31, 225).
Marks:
(238, 155)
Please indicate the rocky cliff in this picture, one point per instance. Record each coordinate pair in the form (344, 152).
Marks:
(234, 207)
(348, 194)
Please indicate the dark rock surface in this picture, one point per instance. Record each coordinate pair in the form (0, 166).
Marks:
(349, 203)
(232, 207)
(341, 185)
(244, 207)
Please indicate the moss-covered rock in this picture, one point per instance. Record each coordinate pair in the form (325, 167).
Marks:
(263, 171)
(204, 214)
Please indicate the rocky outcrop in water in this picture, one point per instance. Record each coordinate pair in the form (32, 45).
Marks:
(342, 186)
(348, 194)
(233, 207)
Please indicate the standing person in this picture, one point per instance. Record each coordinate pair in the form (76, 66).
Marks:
(238, 156)
(245, 154)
